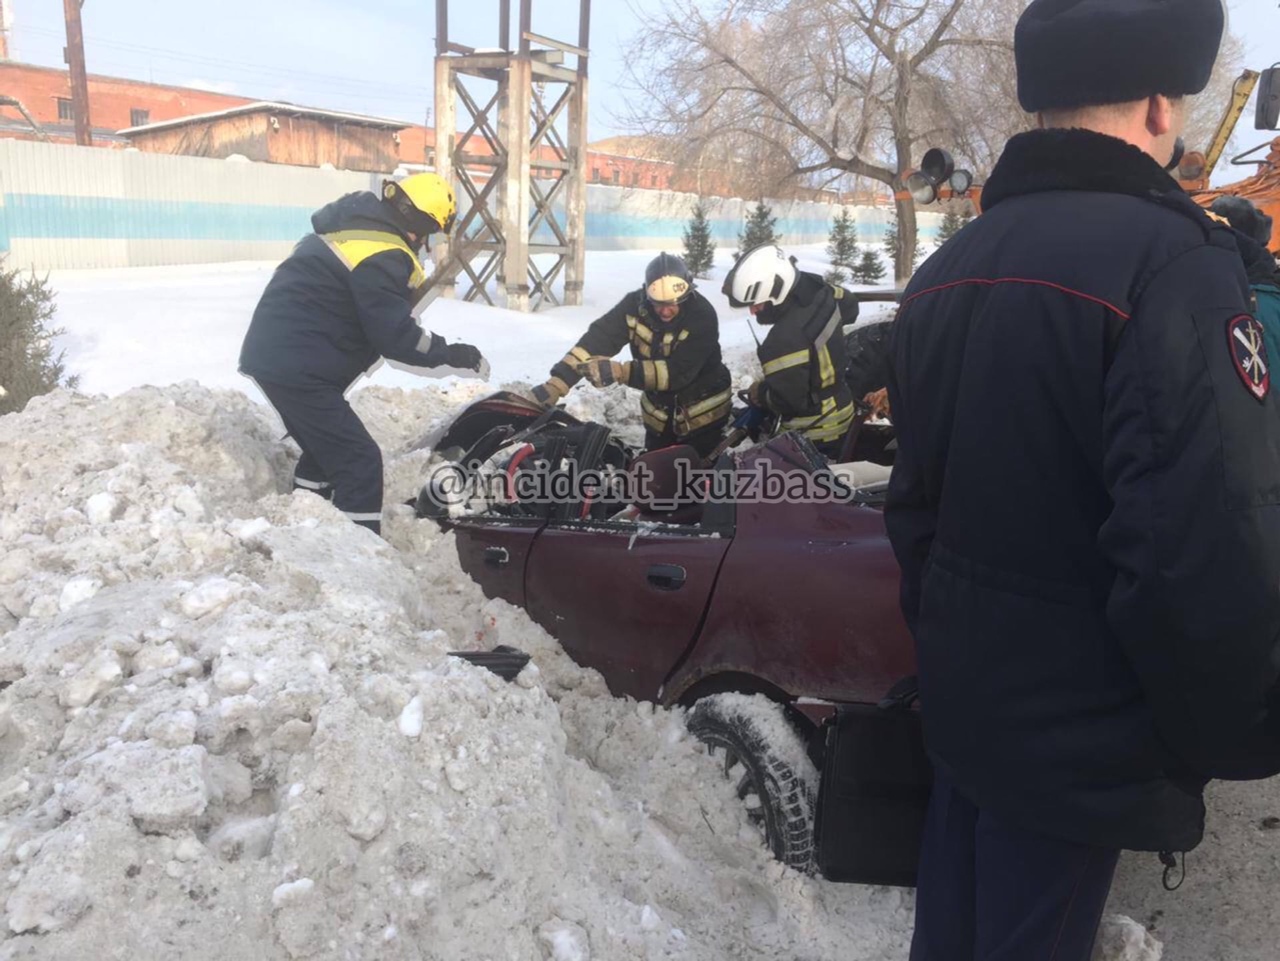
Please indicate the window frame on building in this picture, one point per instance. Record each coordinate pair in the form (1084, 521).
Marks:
(139, 117)
(66, 109)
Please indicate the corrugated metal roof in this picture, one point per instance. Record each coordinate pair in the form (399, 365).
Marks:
(269, 106)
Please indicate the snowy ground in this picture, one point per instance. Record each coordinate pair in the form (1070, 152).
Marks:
(229, 730)
(164, 325)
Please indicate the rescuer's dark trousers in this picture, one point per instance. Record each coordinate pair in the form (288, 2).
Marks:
(990, 891)
(339, 460)
(703, 440)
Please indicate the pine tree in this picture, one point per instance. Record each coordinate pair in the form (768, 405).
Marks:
(869, 269)
(759, 229)
(842, 246)
(953, 222)
(28, 364)
(891, 245)
(699, 250)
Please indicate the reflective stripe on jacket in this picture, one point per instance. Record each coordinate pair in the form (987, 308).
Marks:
(342, 299)
(804, 360)
(678, 366)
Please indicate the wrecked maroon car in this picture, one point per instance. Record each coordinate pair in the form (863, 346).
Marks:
(767, 572)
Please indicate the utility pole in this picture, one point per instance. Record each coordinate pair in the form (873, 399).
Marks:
(4, 30)
(73, 54)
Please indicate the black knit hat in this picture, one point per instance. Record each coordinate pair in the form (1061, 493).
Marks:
(1080, 53)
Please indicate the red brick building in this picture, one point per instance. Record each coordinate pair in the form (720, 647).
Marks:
(114, 103)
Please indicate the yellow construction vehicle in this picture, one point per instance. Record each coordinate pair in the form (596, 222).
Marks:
(1263, 188)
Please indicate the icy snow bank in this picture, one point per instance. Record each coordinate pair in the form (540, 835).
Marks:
(228, 726)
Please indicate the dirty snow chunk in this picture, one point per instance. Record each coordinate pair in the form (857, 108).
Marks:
(164, 789)
(650, 920)
(102, 673)
(14, 565)
(152, 658)
(76, 590)
(1123, 939)
(411, 718)
(213, 595)
(45, 907)
(188, 503)
(366, 817)
(563, 941)
(245, 840)
(102, 508)
(457, 771)
(249, 530)
(291, 892)
(173, 728)
(233, 677)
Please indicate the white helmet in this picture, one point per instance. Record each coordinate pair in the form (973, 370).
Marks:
(763, 275)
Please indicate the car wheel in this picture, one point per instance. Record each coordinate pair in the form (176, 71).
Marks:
(764, 756)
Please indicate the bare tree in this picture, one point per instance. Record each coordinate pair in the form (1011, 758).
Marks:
(803, 90)
(1205, 110)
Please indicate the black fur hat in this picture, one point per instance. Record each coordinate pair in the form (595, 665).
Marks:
(1080, 53)
(1244, 217)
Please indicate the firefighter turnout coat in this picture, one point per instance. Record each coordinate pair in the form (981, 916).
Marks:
(804, 359)
(677, 365)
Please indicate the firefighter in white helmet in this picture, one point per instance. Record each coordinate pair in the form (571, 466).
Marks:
(803, 355)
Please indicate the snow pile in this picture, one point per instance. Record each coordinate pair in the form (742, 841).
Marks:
(229, 726)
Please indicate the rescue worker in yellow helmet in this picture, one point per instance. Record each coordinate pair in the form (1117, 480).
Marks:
(675, 359)
(337, 305)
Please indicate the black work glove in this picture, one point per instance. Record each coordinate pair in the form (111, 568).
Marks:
(466, 357)
(462, 356)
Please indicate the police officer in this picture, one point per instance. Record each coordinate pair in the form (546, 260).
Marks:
(675, 349)
(336, 305)
(1084, 501)
(803, 355)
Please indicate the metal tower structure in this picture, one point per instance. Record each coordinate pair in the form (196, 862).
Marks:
(511, 132)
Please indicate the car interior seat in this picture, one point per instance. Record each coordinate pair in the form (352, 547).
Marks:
(658, 479)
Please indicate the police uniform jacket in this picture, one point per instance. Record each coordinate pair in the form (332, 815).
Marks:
(1085, 500)
(340, 301)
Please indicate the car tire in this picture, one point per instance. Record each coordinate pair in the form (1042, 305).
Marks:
(762, 753)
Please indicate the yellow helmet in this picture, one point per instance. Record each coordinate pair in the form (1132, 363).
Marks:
(425, 203)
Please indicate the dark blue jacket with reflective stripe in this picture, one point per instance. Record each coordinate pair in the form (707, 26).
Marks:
(340, 301)
(1086, 500)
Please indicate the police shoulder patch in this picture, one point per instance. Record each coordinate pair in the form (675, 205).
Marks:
(1249, 354)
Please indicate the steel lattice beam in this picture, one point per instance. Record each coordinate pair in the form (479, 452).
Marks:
(502, 143)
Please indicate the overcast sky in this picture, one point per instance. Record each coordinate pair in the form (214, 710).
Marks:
(372, 58)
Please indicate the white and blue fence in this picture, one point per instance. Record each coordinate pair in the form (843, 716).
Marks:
(81, 207)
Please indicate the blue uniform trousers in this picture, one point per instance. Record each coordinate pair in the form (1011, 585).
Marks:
(991, 891)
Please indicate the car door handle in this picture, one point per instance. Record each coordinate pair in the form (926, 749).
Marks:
(496, 556)
(667, 577)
